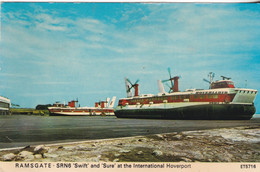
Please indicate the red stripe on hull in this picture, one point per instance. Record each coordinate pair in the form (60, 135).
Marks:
(81, 111)
(180, 98)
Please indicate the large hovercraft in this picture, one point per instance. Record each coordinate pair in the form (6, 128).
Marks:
(222, 101)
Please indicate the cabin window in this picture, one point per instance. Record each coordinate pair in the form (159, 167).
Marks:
(196, 96)
(5, 105)
(215, 96)
(202, 96)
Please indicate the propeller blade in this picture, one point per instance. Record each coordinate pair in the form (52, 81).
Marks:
(129, 89)
(206, 80)
(136, 81)
(129, 81)
(166, 80)
(168, 85)
(169, 71)
(172, 83)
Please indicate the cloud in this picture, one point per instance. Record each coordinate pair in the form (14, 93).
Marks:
(14, 75)
(53, 83)
(57, 47)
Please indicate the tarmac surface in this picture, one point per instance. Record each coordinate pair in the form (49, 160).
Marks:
(24, 130)
(237, 144)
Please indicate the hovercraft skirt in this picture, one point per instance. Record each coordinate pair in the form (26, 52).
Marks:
(198, 112)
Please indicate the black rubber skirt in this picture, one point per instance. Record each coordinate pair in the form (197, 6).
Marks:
(198, 112)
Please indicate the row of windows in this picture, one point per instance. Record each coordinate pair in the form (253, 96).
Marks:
(248, 92)
(4, 105)
(213, 92)
(212, 96)
(180, 97)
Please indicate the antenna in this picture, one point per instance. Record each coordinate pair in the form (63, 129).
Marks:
(223, 77)
(211, 75)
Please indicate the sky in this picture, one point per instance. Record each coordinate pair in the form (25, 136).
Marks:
(62, 51)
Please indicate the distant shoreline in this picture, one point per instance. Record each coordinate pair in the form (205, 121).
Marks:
(28, 111)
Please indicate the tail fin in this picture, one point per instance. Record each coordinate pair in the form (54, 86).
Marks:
(107, 101)
(160, 86)
(112, 102)
(128, 90)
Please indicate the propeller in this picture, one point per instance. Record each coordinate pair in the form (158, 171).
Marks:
(170, 79)
(132, 85)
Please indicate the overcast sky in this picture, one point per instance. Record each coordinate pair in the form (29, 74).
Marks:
(63, 51)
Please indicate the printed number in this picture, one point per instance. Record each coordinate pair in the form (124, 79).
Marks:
(247, 166)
